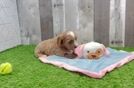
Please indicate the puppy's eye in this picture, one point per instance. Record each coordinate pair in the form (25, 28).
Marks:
(88, 51)
(71, 42)
(98, 51)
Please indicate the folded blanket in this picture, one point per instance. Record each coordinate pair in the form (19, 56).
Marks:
(93, 68)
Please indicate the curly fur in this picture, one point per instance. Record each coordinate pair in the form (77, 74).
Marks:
(61, 45)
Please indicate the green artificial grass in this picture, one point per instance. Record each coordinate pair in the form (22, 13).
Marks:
(29, 72)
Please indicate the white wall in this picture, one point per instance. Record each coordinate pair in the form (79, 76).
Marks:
(9, 25)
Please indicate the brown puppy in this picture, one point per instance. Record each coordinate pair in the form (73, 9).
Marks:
(61, 45)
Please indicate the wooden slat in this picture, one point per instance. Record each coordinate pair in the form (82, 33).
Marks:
(129, 32)
(29, 20)
(86, 21)
(58, 8)
(117, 22)
(71, 14)
(46, 18)
(101, 21)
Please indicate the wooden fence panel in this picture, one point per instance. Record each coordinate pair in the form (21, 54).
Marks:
(101, 21)
(29, 19)
(86, 21)
(71, 14)
(129, 32)
(75, 15)
(106, 21)
(46, 19)
(58, 11)
(117, 22)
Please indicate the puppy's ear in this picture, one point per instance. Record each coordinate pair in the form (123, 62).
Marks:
(60, 40)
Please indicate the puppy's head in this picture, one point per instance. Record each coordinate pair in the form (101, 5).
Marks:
(67, 40)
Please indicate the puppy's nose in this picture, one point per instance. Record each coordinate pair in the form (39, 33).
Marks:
(75, 46)
(94, 56)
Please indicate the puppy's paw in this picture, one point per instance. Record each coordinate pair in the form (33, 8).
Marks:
(71, 56)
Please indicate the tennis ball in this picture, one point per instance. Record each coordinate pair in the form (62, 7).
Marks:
(5, 68)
